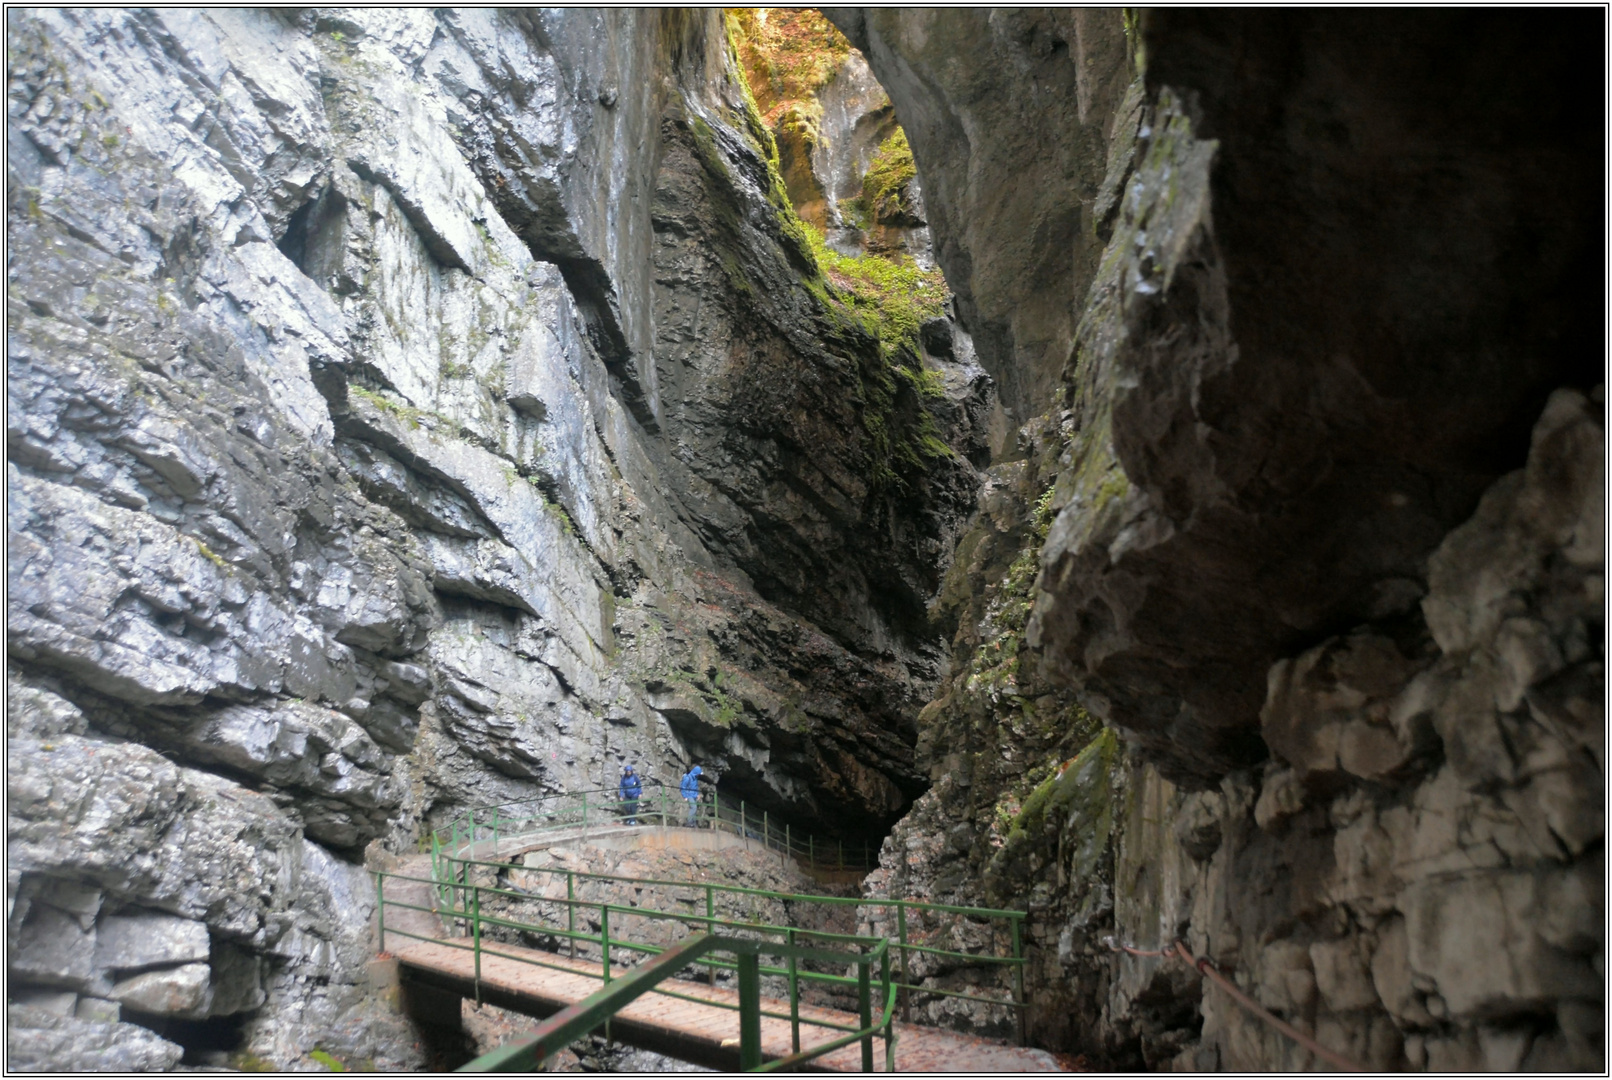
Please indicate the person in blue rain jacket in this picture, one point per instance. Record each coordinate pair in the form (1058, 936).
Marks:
(632, 789)
(691, 793)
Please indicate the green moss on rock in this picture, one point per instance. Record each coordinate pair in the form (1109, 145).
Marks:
(1077, 799)
(884, 185)
(328, 1060)
(787, 55)
(887, 297)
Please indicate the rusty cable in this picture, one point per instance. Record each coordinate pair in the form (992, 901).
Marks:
(1179, 949)
(1117, 946)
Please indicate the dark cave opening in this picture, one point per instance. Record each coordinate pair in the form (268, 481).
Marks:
(207, 1042)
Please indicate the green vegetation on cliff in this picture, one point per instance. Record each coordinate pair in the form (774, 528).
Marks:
(889, 296)
(787, 54)
(885, 183)
(1075, 803)
(894, 295)
(994, 667)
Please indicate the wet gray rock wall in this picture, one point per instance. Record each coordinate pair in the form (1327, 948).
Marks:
(1019, 246)
(1326, 442)
(410, 411)
(1416, 873)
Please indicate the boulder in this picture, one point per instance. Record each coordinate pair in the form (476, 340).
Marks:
(33, 710)
(53, 948)
(1482, 940)
(55, 1002)
(130, 943)
(181, 991)
(1391, 977)
(38, 1041)
(1342, 975)
(237, 980)
(123, 816)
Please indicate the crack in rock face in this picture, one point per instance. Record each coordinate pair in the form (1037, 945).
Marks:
(1157, 494)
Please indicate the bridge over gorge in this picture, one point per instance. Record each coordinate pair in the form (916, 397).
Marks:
(821, 983)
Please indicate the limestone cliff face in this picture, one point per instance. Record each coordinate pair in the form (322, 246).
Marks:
(1316, 513)
(1017, 241)
(844, 160)
(410, 411)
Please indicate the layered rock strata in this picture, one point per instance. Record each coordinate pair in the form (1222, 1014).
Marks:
(410, 411)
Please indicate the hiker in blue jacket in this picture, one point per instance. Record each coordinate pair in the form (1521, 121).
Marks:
(632, 789)
(691, 793)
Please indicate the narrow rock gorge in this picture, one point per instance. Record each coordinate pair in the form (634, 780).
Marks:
(1142, 468)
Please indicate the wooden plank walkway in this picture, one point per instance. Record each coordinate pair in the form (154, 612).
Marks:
(690, 1031)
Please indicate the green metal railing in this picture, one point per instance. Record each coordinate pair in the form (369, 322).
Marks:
(905, 939)
(577, 1020)
(746, 941)
(906, 931)
(660, 805)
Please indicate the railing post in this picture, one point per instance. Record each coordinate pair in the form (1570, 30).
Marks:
(571, 909)
(1018, 980)
(749, 1011)
(710, 928)
(604, 939)
(380, 908)
(471, 815)
(906, 994)
(495, 832)
(475, 929)
(889, 1018)
(444, 890)
(744, 829)
(864, 1012)
(794, 997)
(811, 850)
(787, 852)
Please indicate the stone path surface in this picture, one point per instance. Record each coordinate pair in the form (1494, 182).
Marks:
(663, 1022)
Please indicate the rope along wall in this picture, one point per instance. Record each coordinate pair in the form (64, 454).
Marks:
(1180, 951)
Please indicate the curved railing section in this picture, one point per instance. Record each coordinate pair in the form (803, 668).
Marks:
(660, 805)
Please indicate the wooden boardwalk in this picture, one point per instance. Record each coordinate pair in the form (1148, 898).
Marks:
(691, 1031)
